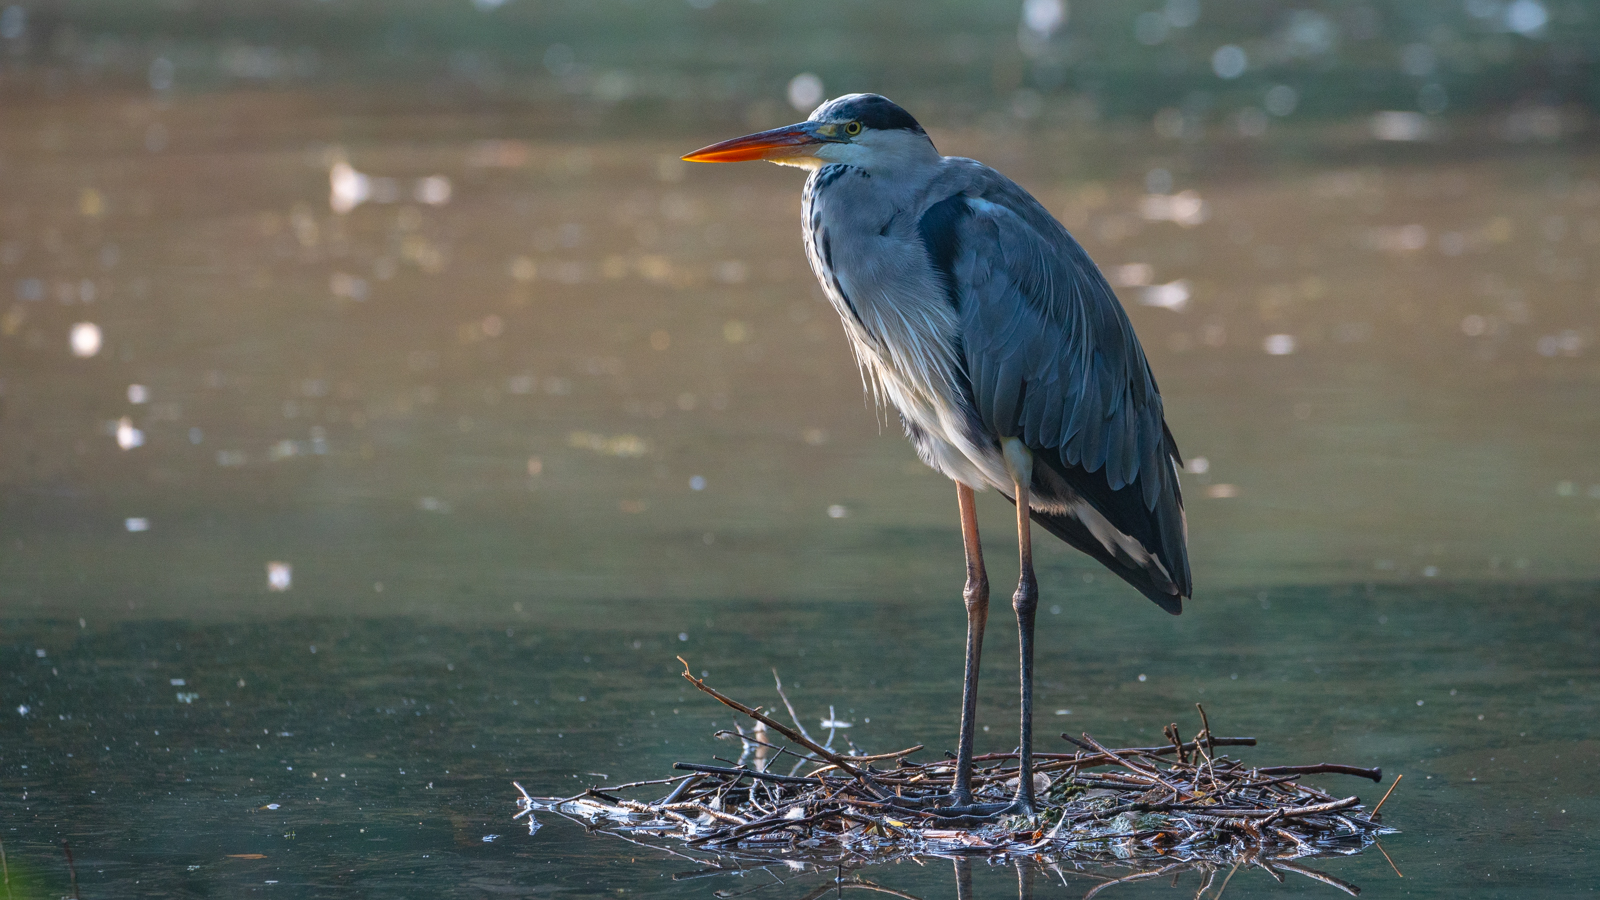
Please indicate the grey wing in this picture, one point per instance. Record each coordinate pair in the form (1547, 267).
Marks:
(1051, 358)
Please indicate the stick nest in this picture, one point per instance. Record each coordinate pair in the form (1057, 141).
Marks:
(1156, 810)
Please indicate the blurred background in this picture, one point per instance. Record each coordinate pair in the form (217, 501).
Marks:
(345, 345)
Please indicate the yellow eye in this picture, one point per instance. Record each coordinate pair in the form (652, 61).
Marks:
(853, 129)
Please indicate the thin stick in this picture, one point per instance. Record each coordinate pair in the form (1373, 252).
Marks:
(634, 784)
(1374, 813)
(1153, 751)
(770, 722)
(683, 788)
(1164, 783)
(1205, 729)
(1324, 768)
(787, 705)
(876, 757)
(747, 773)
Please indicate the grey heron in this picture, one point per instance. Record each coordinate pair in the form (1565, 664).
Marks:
(979, 318)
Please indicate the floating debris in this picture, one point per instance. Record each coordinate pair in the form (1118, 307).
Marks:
(1135, 812)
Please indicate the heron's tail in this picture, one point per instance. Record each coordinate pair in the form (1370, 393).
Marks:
(1150, 580)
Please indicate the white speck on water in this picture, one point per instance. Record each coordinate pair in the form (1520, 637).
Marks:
(347, 188)
(1133, 274)
(280, 576)
(683, 635)
(434, 190)
(1199, 465)
(1420, 702)
(128, 437)
(1278, 344)
(23, 709)
(697, 483)
(136, 523)
(138, 393)
(85, 339)
(1063, 712)
(1400, 125)
(1229, 61)
(489, 838)
(1173, 295)
(837, 511)
(1527, 17)
(1142, 676)
(178, 682)
(1055, 610)
(1430, 571)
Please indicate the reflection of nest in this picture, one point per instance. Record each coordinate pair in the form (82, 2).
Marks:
(1117, 815)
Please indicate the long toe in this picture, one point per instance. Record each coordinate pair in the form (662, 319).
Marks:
(972, 813)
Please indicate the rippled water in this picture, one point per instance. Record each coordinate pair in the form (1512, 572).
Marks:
(350, 518)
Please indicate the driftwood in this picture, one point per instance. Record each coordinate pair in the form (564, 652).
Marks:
(1156, 810)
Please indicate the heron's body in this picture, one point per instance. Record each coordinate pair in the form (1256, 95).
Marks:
(983, 322)
(972, 340)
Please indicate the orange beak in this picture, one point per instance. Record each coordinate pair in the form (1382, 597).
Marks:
(779, 143)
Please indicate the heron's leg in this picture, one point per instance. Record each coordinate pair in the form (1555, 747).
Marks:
(976, 595)
(1019, 462)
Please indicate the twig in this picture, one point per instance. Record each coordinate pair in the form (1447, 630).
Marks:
(1168, 785)
(770, 722)
(1324, 768)
(787, 705)
(747, 773)
(1374, 813)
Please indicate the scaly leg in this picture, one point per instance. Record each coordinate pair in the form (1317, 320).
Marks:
(1019, 462)
(976, 595)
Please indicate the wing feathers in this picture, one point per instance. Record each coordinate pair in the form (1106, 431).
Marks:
(1052, 357)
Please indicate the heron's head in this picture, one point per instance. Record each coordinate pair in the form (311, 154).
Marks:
(865, 130)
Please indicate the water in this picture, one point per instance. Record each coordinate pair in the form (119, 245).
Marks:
(365, 514)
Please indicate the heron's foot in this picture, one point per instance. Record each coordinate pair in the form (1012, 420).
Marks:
(977, 813)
